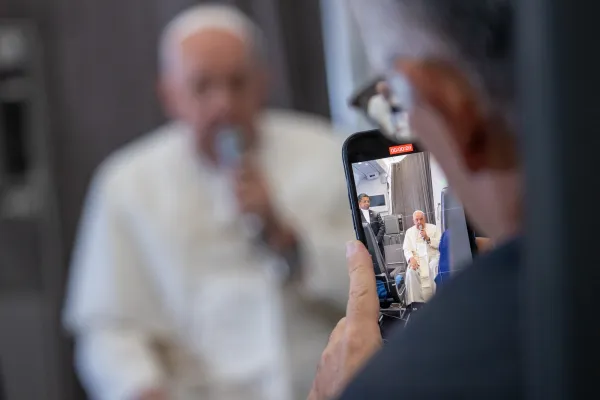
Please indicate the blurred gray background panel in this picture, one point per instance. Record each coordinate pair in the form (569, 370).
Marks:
(24, 360)
(32, 357)
(20, 257)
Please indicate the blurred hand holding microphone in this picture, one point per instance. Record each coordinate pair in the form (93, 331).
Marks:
(253, 200)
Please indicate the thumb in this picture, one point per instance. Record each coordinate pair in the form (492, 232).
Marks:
(363, 303)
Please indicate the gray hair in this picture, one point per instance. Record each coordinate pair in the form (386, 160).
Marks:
(418, 212)
(205, 17)
(474, 35)
(362, 196)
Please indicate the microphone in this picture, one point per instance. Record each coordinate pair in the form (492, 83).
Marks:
(229, 147)
(395, 109)
(420, 228)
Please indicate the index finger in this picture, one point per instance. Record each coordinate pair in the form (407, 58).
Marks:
(363, 303)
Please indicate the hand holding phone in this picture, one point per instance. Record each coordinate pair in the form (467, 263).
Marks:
(356, 337)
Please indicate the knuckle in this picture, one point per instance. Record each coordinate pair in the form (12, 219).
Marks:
(362, 342)
(339, 328)
(355, 343)
(357, 265)
(358, 291)
(341, 323)
(327, 357)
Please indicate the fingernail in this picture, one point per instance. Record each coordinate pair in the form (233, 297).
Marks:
(351, 248)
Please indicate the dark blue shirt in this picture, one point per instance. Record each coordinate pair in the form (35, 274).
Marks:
(464, 344)
(444, 264)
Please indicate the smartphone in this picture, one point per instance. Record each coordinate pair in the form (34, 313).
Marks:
(404, 212)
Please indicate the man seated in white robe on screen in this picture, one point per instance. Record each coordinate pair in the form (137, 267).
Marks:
(421, 251)
(173, 293)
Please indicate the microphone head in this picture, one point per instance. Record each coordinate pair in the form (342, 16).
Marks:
(229, 147)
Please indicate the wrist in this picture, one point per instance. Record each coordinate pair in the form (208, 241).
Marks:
(280, 238)
(276, 234)
(272, 224)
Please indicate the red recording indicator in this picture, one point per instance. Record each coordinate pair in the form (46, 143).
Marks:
(403, 148)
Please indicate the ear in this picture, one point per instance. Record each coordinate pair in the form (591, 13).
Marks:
(445, 89)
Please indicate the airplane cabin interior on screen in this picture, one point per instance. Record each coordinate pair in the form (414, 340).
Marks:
(406, 211)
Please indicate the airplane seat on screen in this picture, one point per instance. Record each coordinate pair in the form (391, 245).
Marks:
(382, 275)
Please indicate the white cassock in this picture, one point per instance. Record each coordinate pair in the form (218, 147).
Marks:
(420, 285)
(394, 123)
(167, 290)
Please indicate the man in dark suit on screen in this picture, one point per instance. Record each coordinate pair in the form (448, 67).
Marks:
(373, 218)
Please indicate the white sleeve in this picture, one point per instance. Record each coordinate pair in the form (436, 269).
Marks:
(436, 237)
(407, 246)
(376, 112)
(324, 250)
(324, 228)
(372, 108)
(110, 307)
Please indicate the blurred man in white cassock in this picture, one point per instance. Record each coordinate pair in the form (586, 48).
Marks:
(387, 112)
(173, 293)
(421, 251)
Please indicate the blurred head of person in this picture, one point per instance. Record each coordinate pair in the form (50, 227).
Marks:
(453, 62)
(364, 203)
(383, 89)
(419, 219)
(212, 73)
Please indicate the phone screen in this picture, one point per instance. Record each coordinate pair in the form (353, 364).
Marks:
(404, 211)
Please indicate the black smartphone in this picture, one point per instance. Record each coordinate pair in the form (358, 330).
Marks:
(405, 214)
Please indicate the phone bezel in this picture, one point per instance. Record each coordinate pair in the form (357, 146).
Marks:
(368, 146)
